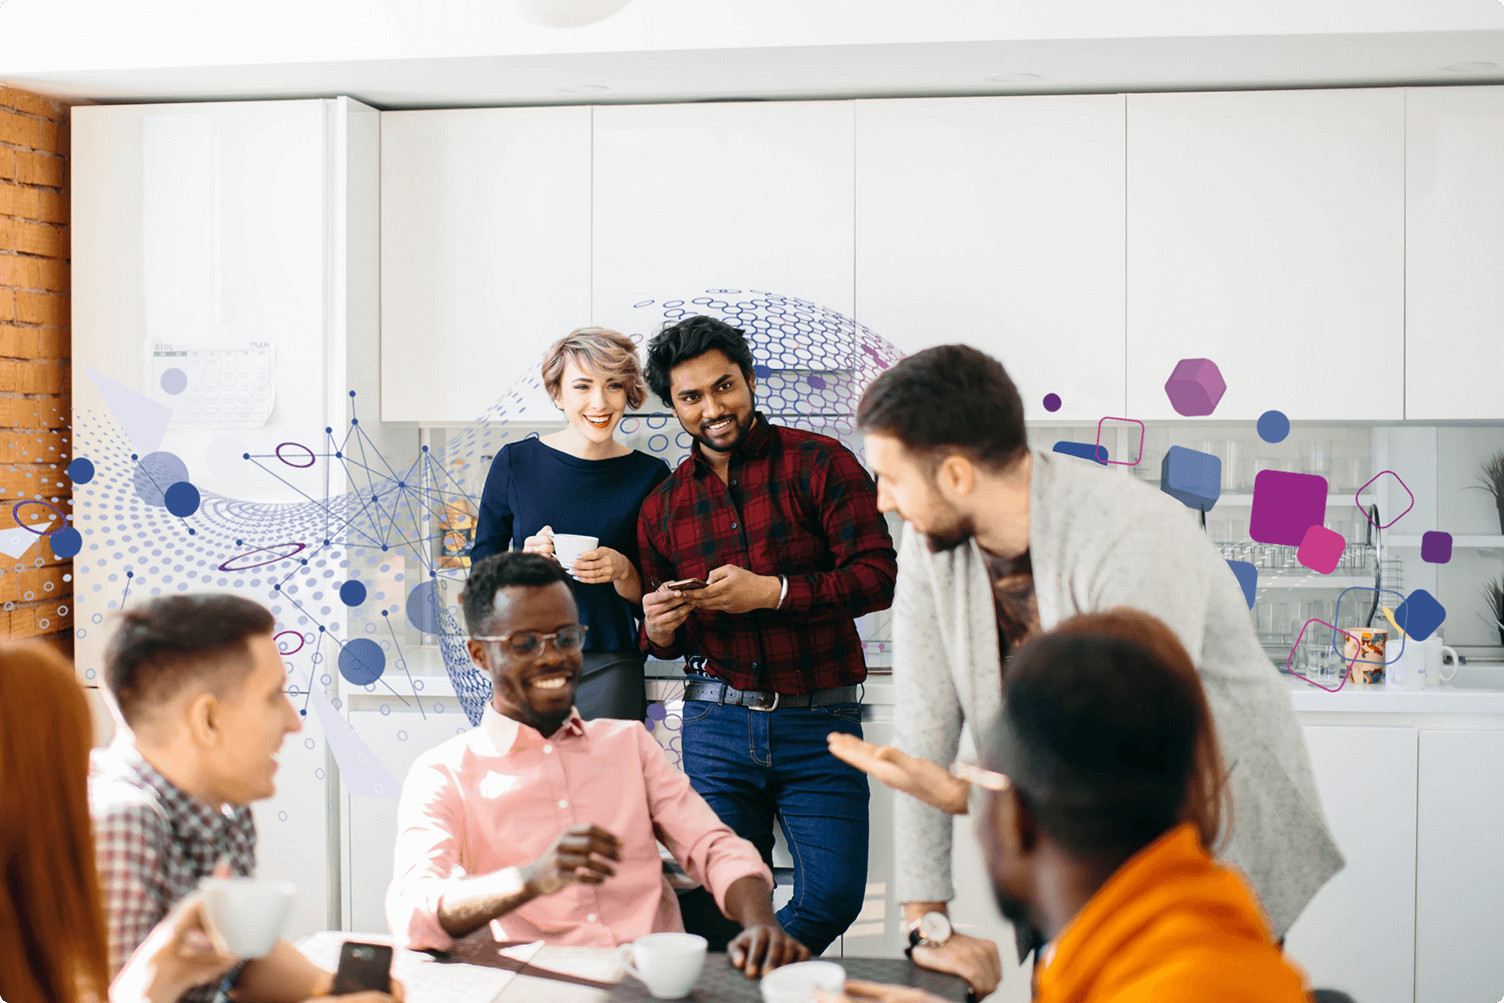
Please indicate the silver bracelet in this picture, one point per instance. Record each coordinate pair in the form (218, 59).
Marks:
(783, 593)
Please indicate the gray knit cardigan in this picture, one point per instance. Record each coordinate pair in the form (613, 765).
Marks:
(1099, 539)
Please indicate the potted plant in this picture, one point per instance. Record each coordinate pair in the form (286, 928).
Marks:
(1491, 479)
(1493, 596)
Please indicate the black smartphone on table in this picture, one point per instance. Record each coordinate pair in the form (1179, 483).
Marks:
(363, 968)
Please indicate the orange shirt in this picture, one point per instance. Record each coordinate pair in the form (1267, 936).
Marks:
(1170, 925)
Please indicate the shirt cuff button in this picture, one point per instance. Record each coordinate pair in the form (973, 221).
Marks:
(590, 918)
(563, 803)
(548, 748)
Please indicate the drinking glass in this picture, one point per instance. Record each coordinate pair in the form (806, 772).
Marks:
(1316, 457)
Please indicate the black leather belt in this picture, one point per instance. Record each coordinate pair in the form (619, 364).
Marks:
(717, 692)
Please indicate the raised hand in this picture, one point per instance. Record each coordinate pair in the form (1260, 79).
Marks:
(581, 853)
(929, 782)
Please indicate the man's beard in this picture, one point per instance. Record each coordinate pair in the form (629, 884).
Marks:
(1012, 909)
(742, 429)
(950, 536)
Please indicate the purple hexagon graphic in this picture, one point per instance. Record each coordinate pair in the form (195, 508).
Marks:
(1195, 387)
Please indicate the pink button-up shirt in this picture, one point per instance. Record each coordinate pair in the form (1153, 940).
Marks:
(498, 796)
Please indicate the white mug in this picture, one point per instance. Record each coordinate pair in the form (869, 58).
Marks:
(246, 915)
(1407, 668)
(1435, 648)
(667, 963)
(797, 983)
(568, 547)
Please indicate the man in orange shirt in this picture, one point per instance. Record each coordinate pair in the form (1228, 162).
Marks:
(1082, 824)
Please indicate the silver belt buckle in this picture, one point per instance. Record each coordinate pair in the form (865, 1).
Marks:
(768, 710)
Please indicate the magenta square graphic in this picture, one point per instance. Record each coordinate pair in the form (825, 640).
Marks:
(1321, 549)
(1285, 505)
(1139, 455)
(1436, 547)
(1358, 499)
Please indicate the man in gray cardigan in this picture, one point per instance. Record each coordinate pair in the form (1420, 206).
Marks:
(1002, 542)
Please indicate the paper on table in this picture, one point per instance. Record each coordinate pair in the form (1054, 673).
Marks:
(424, 979)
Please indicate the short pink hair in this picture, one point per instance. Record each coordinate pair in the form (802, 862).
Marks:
(604, 352)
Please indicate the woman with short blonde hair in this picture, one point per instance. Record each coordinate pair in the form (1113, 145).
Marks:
(581, 482)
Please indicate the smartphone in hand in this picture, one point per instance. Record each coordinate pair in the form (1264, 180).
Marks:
(363, 968)
(687, 585)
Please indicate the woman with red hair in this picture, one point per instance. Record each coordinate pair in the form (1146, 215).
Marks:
(52, 940)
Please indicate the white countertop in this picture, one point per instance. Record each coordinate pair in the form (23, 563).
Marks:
(1481, 693)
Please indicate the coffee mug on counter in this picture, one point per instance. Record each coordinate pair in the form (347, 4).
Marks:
(246, 915)
(667, 963)
(1363, 648)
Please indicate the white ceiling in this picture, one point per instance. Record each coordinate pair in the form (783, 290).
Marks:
(402, 54)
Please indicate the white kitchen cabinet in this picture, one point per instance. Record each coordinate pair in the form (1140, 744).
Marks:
(1358, 933)
(1460, 871)
(485, 253)
(998, 222)
(1454, 259)
(216, 224)
(717, 203)
(1266, 233)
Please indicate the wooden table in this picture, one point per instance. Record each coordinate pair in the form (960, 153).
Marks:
(479, 970)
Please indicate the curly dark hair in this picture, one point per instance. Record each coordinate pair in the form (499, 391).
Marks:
(492, 574)
(689, 339)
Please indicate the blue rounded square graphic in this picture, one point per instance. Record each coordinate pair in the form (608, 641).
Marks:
(1420, 614)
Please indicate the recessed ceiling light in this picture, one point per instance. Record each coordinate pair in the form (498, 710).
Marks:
(1477, 67)
(1011, 78)
(584, 88)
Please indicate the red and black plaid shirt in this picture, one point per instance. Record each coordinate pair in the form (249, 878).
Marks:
(795, 503)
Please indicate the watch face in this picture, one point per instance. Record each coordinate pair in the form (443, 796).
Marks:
(934, 927)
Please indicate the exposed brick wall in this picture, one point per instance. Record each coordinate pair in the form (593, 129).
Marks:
(35, 371)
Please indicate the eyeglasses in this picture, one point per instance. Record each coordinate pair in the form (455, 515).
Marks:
(529, 643)
(980, 777)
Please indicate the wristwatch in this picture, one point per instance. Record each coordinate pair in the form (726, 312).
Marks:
(932, 929)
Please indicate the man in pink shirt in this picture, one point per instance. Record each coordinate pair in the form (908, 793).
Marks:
(543, 824)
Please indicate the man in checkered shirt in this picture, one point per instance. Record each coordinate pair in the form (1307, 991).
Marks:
(199, 681)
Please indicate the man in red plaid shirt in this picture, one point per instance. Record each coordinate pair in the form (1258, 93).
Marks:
(783, 526)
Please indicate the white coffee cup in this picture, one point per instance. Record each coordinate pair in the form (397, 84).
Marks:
(1407, 667)
(797, 983)
(246, 915)
(568, 548)
(1435, 649)
(667, 963)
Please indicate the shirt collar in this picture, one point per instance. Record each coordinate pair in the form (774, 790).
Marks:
(508, 733)
(759, 438)
(182, 806)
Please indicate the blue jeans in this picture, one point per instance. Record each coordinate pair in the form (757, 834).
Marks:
(752, 765)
